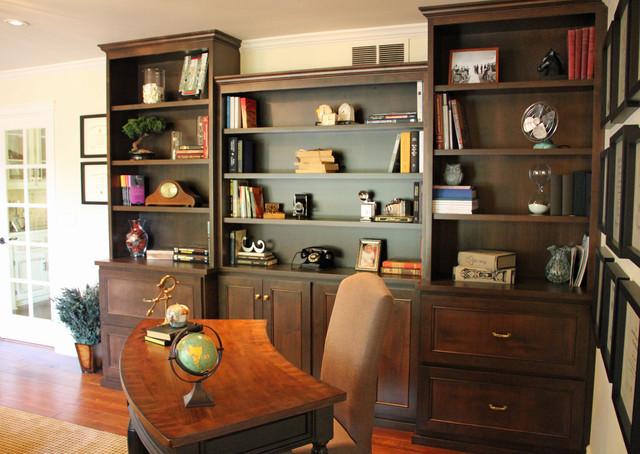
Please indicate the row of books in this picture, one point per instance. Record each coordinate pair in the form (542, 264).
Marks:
(241, 155)
(407, 155)
(238, 256)
(451, 129)
(455, 199)
(484, 265)
(392, 117)
(164, 334)
(180, 254)
(406, 267)
(570, 194)
(581, 47)
(198, 151)
(133, 189)
(246, 201)
(241, 112)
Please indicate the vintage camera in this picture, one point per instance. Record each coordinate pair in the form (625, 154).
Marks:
(397, 207)
(368, 207)
(301, 206)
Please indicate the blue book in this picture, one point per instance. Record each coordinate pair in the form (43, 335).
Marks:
(454, 192)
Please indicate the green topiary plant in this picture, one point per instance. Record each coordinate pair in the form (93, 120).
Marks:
(80, 312)
(141, 127)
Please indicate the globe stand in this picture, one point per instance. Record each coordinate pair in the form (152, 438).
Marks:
(198, 397)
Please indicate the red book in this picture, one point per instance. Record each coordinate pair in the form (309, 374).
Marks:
(578, 54)
(571, 49)
(408, 264)
(205, 136)
(591, 54)
(248, 109)
(439, 124)
(585, 53)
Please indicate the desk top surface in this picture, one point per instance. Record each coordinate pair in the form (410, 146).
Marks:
(254, 385)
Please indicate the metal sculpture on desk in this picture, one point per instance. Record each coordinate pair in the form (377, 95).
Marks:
(165, 295)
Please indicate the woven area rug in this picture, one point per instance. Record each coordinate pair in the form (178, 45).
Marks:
(26, 433)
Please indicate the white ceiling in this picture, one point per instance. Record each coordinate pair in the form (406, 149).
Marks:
(69, 30)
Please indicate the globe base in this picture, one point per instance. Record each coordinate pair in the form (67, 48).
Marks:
(198, 397)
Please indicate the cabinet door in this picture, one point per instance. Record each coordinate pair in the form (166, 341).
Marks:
(287, 308)
(240, 297)
(113, 338)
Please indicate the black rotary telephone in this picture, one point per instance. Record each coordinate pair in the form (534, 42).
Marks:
(316, 258)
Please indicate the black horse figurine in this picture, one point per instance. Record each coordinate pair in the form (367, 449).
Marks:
(553, 66)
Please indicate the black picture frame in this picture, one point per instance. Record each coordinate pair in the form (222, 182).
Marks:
(607, 60)
(622, 107)
(633, 75)
(602, 257)
(630, 246)
(95, 183)
(613, 275)
(627, 373)
(93, 136)
(616, 176)
(603, 190)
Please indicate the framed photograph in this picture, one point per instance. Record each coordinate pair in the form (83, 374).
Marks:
(603, 190)
(369, 254)
(607, 63)
(626, 374)
(194, 75)
(472, 66)
(631, 215)
(613, 275)
(615, 188)
(602, 257)
(93, 136)
(633, 81)
(93, 177)
(622, 107)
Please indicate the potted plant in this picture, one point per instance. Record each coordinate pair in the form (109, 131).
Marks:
(80, 312)
(138, 129)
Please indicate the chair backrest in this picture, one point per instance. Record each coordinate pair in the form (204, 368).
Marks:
(352, 351)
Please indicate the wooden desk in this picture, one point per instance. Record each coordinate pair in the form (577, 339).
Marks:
(263, 404)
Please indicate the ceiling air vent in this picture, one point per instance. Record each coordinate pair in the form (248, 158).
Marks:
(383, 53)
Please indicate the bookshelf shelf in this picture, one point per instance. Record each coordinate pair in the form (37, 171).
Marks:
(342, 223)
(325, 129)
(324, 176)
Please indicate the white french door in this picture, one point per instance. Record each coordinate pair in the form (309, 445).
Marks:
(26, 144)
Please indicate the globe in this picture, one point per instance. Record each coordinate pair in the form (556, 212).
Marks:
(197, 354)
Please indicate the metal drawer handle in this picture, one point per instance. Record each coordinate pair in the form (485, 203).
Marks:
(496, 408)
(501, 335)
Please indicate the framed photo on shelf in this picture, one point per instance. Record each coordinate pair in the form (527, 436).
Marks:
(369, 253)
(472, 66)
(633, 80)
(607, 83)
(603, 190)
(630, 247)
(602, 257)
(194, 75)
(93, 177)
(622, 107)
(625, 395)
(613, 275)
(93, 136)
(616, 187)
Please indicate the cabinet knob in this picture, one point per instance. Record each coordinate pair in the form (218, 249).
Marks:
(265, 297)
(257, 296)
(498, 408)
(501, 335)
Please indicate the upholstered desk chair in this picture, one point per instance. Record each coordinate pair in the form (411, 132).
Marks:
(351, 358)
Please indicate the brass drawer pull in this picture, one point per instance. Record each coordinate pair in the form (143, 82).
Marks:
(496, 408)
(501, 335)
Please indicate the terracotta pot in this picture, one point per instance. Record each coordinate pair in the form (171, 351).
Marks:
(90, 357)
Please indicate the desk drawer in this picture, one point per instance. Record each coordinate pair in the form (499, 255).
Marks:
(500, 408)
(519, 336)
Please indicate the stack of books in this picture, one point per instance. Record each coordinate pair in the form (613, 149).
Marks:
(133, 189)
(581, 49)
(392, 117)
(484, 265)
(265, 258)
(241, 112)
(201, 149)
(191, 254)
(165, 333)
(407, 267)
(315, 161)
(454, 199)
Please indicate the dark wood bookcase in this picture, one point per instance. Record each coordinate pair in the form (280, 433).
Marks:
(505, 351)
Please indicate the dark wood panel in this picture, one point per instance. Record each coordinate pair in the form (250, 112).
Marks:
(240, 297)
(113, 338)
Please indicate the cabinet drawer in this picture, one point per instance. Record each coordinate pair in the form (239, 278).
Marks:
(513, 335)
(500, 408)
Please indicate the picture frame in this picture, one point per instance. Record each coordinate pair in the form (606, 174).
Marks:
(94, 182)
(603, 190)
(602, 257)
(633, 74)
(469, 66)
(194, 75)
(626, 375)
(93, 136)
(613, 275)
(369, 253)
(630, 247)
(607, 83)
(622, 107)
(616, 188)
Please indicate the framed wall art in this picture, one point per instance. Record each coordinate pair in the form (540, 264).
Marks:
(93, 136)
(607, 63)
(369, 253)
(613, 275)
(633, 75)
(472, 66)
(630, 247)
(616, 187)
(602, 257)
(93, 177)
(622, 107)
(626, 374)
(603, 190)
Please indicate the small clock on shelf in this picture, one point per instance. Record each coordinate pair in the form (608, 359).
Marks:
(173, 193)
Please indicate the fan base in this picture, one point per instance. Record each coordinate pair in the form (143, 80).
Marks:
(545, 144)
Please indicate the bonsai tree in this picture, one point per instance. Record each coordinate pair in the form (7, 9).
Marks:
(80, 312)
(141, 127)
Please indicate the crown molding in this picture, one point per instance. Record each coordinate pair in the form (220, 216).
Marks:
(374, 34)
(93, 64)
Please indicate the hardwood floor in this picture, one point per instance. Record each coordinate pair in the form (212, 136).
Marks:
(38, 380)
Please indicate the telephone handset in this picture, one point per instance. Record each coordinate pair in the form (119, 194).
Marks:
(317, 258)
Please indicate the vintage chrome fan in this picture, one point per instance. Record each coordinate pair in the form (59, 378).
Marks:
(539, 122)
